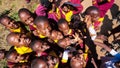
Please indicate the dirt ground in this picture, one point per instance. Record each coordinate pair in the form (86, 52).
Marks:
(108, 25)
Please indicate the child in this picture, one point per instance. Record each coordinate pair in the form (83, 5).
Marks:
(77, 61)
(43, 27)
(12, 25)
(42, 8)
(52, 61)
(64, 27)
(39, 47)
(103, 6)
(2, 53)
(13, 57)
(20, 42)
(65, 42)
(22, 65)
(56, 36)
(39, 63)
(94, 12)
(68, 8)
(27, 18)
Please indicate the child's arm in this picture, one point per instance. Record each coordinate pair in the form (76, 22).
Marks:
(111, 51)
(93, 62)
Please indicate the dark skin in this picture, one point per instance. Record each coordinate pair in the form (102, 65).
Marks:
(26, 18)
(15, 57)
(9, 23)
(18, 40)
(43, 29)
(52, 61)
(56, 35)
(40, 47)
(64, 28)
(39, 64)
(77, 61)
(2, 53)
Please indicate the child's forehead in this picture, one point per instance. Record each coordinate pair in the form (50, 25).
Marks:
(94, 12)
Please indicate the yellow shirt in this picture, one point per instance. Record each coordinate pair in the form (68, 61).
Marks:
(19, 30)
(23, 50)
(68, 15)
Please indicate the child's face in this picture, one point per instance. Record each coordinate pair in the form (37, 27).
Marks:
(64, 28)
(65, 9)
(65, 42)
(26, 18)
(20, 40)
(52, 61)
(77, 61)
(95, 15)
(42, 64)
(44, 28)
(9, 23)
(2, 54)
(15, 57)
(40, 46)
(56, 35)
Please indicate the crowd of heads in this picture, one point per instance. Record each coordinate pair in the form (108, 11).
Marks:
(56, 35)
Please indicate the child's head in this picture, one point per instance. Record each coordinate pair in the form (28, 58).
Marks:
(8, 22)
(39, 63)
(52, 61)
(39, 46)
(2, 53)
(77, 61)
(63, 43)
(63, 26)
(93, 12)
(21, 65)
(65, 7)
(13, 56)
(18, 39)
(43, 25)
(56, 35)
(25, 16)
(46, 3)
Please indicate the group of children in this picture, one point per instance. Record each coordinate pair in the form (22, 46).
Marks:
(58, 35)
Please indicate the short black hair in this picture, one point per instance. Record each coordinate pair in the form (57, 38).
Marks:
(36, 62)
(46, 3)
(87, 11)
(33, 43)
(61, 21)
(10, 52)
(24, 10)
(4, 17)
(39, 19)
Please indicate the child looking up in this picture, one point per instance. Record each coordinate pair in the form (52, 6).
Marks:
(12, 25)
(2, 53)
(20, 42)
(43, 27)
(94, 13)
(56, 36)
(39, 63)
(64, 27)
(27, 17)
(39, 47)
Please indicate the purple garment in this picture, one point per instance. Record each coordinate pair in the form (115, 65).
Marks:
(41, 10)
(104, 7)
(52, 16)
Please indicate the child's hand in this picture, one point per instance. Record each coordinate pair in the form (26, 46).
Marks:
(76, 36)
(35, 32)
(88, 20)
